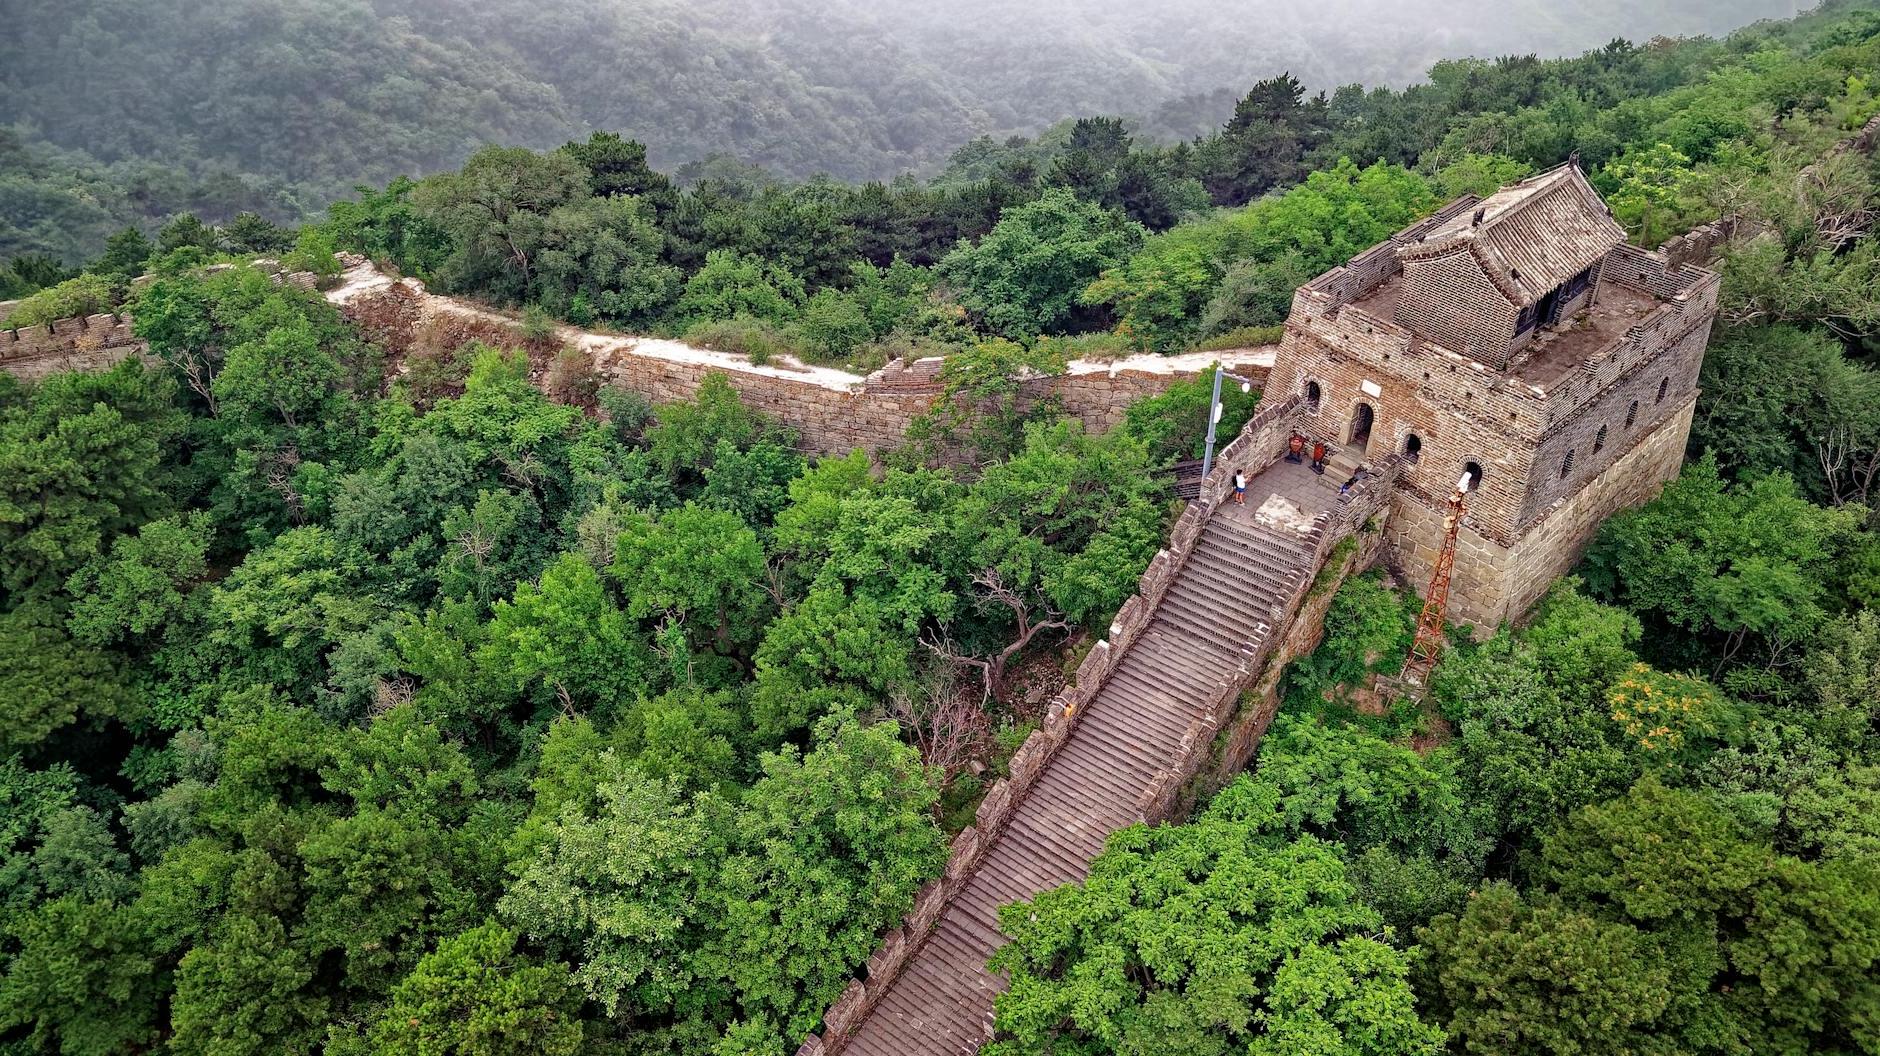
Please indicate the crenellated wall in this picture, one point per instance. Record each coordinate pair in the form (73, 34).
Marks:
(96, 342)
(80, 343)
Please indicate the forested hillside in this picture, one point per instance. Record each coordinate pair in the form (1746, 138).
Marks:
(466, 704)
(217, 106)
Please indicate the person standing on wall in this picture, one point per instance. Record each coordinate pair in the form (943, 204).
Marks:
(1295, 447)
(1240, 487)
(1318, 457)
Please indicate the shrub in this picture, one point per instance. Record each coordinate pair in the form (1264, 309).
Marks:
(743, 335)
(1242, 337)
(314, 251)
(538, 327)
(1101, 345)
(572, 379)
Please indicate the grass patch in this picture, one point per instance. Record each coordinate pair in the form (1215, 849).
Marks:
(1100, 345)
(1241, 337)
(757, 339)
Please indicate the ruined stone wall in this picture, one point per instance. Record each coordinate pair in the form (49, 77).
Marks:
(81, 343)
(831, 411)
(1493, 581)
(1700, 244)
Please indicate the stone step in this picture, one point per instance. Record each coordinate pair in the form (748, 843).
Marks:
(1226, 621)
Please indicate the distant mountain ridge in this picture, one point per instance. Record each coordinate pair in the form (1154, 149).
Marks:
(323, 96)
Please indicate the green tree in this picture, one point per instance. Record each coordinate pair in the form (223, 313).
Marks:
(49, 681)
(1660, 922)
(86, 294)
(1510, 977)
(495, 210)
(566, 635)
(82, 459)
(125, 255)
(1648, 193)
(1533, 726)
(477, 995)
(697, 567)
(246, 993)
(814, 878)
(142, 586)
(81, 980)
(685, 436)
(1743, 569)
(732, 284)
(1024, 277)
(615, 889)
(1209, 937)
(1777, 398)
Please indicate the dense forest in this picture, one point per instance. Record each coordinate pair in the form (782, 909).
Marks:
(122, 111)
(360, 707)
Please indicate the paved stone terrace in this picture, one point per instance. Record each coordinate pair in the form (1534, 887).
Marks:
(1215, 615)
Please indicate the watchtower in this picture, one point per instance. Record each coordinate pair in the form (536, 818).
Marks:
(1520, 336)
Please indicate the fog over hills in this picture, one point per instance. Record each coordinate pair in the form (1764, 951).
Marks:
(320, 96)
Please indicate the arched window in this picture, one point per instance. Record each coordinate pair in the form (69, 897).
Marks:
(1412, 444)
(1566, 465)
(1312, 394)
(1474, 470)
(1631, 414)
(1599, 439)
(1663, 387)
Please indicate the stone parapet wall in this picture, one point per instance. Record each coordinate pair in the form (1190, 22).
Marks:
(95, 342)
(1687, 311)
(63, 336)
(1700, 244)
(80, 343)
(1258, 445)
(1171, 793)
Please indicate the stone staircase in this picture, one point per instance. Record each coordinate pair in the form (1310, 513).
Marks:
(1207, 632)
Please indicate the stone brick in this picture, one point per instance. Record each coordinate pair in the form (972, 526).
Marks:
(1095, 665)
(847, 1011)
(963, 856)
(994, 809)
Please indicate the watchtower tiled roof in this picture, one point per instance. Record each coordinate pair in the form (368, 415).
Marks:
(1532, 236)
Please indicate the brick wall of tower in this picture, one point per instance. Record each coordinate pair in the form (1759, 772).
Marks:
(1675, 368)
(1493, 581)
(1459, 410)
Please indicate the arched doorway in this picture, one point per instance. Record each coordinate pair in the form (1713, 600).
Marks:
(1361, 418)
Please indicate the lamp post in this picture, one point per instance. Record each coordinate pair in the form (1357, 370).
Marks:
(1215, 409)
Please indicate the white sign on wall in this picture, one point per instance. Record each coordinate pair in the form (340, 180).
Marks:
(1371, 388)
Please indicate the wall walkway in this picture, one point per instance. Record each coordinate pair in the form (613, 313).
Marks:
(1120, 746)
